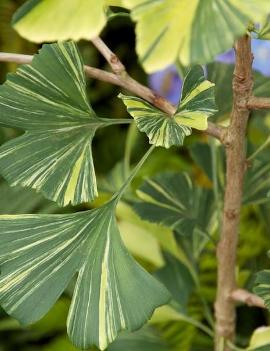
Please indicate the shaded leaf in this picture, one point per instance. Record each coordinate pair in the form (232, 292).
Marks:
(142, 340)
(18, 200)
(262, 287)
(48, 100)
(53, 20)
(177, 279)
(40, 254)
(257, 183)
(196, 105)
(171, 199)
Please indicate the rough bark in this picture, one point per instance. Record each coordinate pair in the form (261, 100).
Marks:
(235, 170)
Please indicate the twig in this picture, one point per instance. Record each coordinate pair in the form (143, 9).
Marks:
(258, 103)
(236, 166)
(127, 83)
(112, 59)
(244, 296)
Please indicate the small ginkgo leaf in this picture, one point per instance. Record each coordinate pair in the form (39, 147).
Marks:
(40, 254)
(52, 20)
(193, 31)
(196, 105)
(161, 129)
(48, 100)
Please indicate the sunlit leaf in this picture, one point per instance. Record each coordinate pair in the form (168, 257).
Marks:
(52, 20)
(183, 29)
(196, 105)
(264, 32)
(48, 100)
(40, 254)
(260, 339)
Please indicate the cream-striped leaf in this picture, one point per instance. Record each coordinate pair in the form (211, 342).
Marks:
(161, 129)
(48, 100)
(196, 105)
(52, 20)
(40, 254)
(172, 200)
(193, 31)
(262, 287)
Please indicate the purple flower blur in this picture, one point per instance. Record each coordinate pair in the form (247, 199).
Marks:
(226, 57)
(168, 84)
(261, 51)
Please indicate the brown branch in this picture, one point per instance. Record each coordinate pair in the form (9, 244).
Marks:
(244, 296)
(125, 82)
(112, 59)
(258, 103)
(235, 164)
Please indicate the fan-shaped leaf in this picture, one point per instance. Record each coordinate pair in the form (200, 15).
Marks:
(52, 20)
(190, 30)
(40, 254)
(196, 105)
(48, 100)
(171, 200)
(263, 286)
(146, 339)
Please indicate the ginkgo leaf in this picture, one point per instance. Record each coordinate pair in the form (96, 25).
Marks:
(262, 287)
(48, 100)
(161, 129)
(196, 105)
(52, 20)
(40, 254)
(264, 32)
(192, 31)
(172, 200)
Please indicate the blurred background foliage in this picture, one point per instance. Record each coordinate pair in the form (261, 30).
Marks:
(184, 262)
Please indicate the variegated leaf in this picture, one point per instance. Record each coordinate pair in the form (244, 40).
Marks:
(172, 200)
(40, 254)
(48, 100)
(262, 287)
(194, 31)
(52, 20)
(196, 105)
(161, 129)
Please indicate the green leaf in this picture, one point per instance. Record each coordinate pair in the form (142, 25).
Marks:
(171, 199)
(53, 20)
(18, 200)
(177, 279)
(192, 31)
(260, 340)
(48, 100)
(59, 343)
(40, 254)
(196, 105)
(257, 183)
(262, 287)
(145, 339)
(264, 32)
